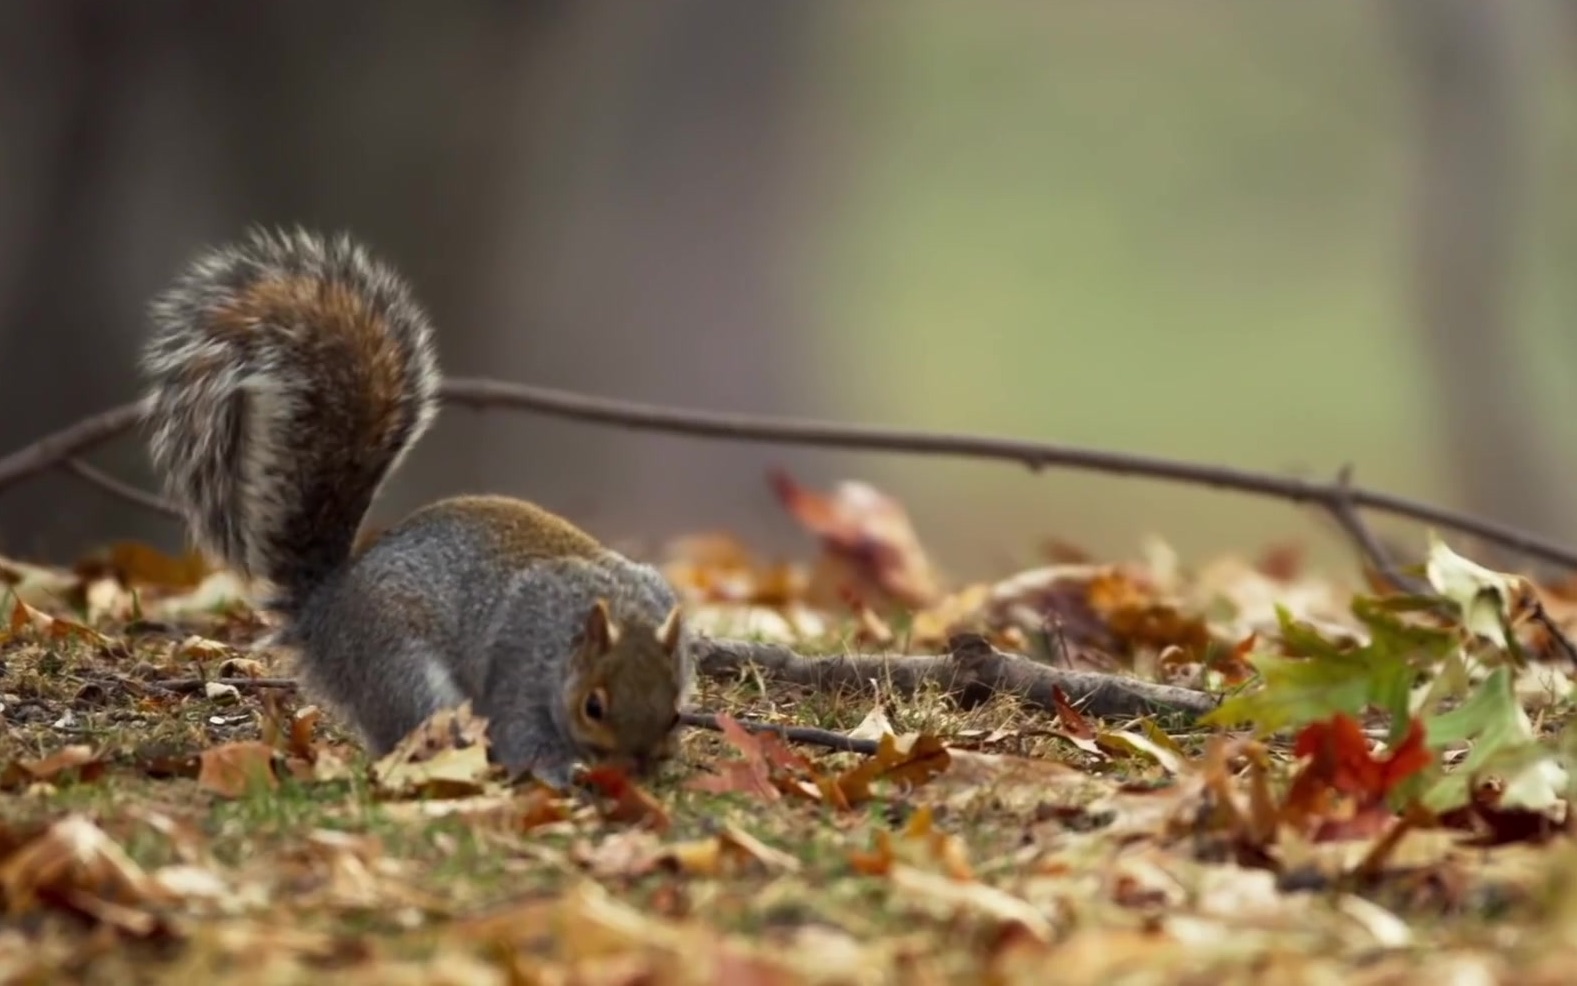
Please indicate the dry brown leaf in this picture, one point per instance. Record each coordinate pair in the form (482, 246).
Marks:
(770, 768)
(302, 724)
(1142, 618)
(235, 769)
(629, 853)
(868, 534)
(242, 667)
(453, 773)
(875, 725)
(105, 599)
(921, 888)
(79, 761)
(1089, 957)
(1053, 600)
(870, 630)
(727, 853)
(627, 801)
(920, 844)
(1151, 743)
(718, 568)
(141, 565)
(444, 757)
(964, 610)
(27, 620)
(200, 649)
(907, 764)
(594, 924)
(74, 864)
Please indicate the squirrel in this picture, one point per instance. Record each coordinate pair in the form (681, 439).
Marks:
(288, 374)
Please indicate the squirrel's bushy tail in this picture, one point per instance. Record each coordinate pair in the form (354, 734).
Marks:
(288, 374)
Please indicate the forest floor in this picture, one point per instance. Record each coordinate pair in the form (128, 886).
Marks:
(160, 825)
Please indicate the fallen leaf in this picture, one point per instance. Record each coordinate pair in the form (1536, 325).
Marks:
(874, 726)
(1158, 748)
(136, 563)
(629, 853)
(26, 619)
(637, 852)
(908, 765)
(218, 691)
(74, 864)
(630, 802)
(919, 888)
(198, 648)
(868, 534)
(920, 844)
(235, 769)
(242, 667)
(1140, 618)
(1341, 793)
(1075, 728)
(719, 568)
(78, 762)
(302, 724)
(444, 757)
(769, 768)
(457, 772)
(1488, 600)
(747, 845)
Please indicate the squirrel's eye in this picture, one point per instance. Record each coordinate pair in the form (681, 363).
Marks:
(594, 708)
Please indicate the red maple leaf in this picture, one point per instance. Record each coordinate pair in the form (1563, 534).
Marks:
(1343, 792)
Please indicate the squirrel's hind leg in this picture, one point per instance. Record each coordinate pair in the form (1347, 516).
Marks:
(415, 685)
(523, 740)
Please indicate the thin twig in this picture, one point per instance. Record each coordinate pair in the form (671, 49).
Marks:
(1563, 643)
(1342, 510)
(794, 734)
(121, 488)
(482, 394)
(49, 451)
(184, 686)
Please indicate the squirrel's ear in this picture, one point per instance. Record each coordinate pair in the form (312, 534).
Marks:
(668, 633)
(601, 634)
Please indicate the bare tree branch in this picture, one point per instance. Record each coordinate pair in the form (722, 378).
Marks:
(972, 672)
(1344, 513)
(1340, 500)
(121, 488)
(51, 450)
(794, 734)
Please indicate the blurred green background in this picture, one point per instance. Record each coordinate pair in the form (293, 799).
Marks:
(1274, 235)
(1177, 228)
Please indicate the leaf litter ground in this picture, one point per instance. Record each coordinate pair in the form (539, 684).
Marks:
(1380, 798)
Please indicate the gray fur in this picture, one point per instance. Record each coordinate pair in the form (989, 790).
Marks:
(277, 408)
(499, 633)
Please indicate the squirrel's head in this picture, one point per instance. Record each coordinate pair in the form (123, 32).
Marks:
(624, 688)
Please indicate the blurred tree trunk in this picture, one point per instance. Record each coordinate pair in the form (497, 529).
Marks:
(67, 72)
(585, 194)
(648, 257)
(1471, 97)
